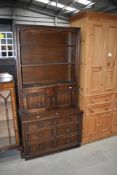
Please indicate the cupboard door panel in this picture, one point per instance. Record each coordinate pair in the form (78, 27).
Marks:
(97, 47)
(95, 80)
(108, 79)
(111, 57)
(105, 124)
(36, 99)
(90, 129)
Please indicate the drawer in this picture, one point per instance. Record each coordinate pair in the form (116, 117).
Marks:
(33, 126)
(64, 142)
(53, 145)
(95, 109)
(40, 148)
(68, 129)
(99, 99)
(39, 137)
(67, 119)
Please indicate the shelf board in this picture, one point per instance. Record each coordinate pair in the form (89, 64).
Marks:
(47, 64)
(46, 84)
(36, 45)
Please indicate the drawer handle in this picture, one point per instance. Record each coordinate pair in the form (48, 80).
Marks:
(106, 109)
(67, 130)
(38, 116)
(57, 113)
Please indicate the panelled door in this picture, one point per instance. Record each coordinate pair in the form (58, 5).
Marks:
(65, 96)
(96, 54)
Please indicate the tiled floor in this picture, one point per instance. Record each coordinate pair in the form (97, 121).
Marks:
(99, 158)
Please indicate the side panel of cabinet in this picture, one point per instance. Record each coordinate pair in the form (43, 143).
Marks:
(97, 34)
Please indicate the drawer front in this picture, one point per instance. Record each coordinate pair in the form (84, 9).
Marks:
(68, 129)
(67, 141)
(40, 136)
(53, 145)
(99, 99)
(67, 119)
(98, 109)
(35, 126)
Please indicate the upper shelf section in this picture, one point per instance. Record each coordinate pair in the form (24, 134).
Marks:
(47, 46)
(47, 54)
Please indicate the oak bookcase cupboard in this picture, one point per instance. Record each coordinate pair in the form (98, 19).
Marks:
(98, 74)
(47, 88)
(9, 135)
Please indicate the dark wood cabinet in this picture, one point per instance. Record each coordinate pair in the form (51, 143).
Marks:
(47, 71)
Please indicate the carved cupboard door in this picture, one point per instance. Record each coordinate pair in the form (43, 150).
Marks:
(36, 99)
(66, 96)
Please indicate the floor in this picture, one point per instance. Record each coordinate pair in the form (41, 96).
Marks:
(99, 158)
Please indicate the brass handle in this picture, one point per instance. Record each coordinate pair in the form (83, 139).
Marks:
(70, 87)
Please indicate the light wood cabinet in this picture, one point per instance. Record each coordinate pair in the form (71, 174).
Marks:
(98, 72)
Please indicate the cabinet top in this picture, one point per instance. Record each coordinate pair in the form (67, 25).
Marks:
(5, 77)
(94, 15)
